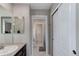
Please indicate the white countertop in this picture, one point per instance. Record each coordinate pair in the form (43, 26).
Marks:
(13, 53)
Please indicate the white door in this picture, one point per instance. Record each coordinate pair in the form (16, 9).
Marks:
(39, 46)
(61, 42)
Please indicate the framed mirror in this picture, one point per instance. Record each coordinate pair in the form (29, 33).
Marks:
(18, 24)
(6, 25)
(12, 25)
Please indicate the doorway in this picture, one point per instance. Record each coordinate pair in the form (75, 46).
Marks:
(39, 37)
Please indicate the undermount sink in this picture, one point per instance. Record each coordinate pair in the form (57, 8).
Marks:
(5, 50)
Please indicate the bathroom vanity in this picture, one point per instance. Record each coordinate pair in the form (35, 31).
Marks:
(13, 50)
(22, 51)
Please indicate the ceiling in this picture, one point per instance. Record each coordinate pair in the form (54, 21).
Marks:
(34, 5)
(41, 5)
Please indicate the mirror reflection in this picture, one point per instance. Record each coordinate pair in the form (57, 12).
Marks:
(6, 24)
(12, 25)
(18, 24)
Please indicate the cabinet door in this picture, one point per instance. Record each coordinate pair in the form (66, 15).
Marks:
(22, 51)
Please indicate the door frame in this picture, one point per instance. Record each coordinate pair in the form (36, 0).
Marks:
(43, 17)
(53, 11)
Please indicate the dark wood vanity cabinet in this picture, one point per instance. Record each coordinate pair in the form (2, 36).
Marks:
(22, 51)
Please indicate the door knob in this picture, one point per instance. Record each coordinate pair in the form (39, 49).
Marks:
(74, 52)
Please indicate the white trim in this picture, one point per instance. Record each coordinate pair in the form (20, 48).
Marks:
(43, 17)
(55, 8)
